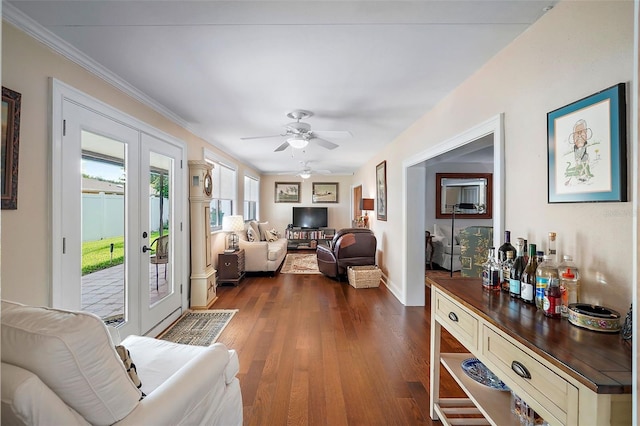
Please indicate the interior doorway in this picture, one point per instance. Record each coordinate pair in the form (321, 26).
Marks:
(415, 188)
(356, 211)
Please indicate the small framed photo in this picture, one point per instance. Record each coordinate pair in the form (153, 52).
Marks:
(381, 189)
(586, 152)
(287, 192)
(325, 192)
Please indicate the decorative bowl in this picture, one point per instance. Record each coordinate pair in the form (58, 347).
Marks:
(594, 317)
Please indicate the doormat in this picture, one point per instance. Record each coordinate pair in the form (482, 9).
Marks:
(298, 263)
(199, 328)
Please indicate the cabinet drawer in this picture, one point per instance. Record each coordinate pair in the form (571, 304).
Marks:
(458, 321)
(551, 392)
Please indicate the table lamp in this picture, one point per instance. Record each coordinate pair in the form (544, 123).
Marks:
(232, 224)
(366, 205)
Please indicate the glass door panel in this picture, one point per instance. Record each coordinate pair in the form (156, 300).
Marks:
(103, 195)
(160, 223)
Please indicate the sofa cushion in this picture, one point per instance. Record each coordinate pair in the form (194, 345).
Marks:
(251, 235)
(72, 353)
(263, 228)
(276, 249)
(445, 232)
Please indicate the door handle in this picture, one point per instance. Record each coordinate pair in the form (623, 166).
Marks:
(145, 249)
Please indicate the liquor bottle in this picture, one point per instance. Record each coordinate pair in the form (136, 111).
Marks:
(526, 251)
(539, 256)
(569, 283)
(516, 269)
(551, 248)
(552, 302)
(505, 271)
(546, 270)
(528, 278)
(491, 271)
(505, 247)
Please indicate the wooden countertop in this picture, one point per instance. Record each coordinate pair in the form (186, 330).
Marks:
(600, 361)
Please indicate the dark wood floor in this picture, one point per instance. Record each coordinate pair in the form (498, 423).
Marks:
(314, 351)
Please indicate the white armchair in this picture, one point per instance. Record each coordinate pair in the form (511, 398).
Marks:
(443, 251)
(62, 367)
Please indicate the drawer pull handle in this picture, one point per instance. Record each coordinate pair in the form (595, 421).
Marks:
(520, 370)
(453, 317)
(227, 263)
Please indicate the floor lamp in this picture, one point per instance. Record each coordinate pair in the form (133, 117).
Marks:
(462, 206)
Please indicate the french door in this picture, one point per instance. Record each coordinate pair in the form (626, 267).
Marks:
(117, 221)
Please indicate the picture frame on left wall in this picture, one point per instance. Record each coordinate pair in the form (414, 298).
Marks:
(381, 189)
(11, 102)
(287, 192)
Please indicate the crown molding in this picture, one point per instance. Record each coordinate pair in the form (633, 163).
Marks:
(16, 17)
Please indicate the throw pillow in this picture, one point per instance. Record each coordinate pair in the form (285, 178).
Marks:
(251, 236)
(272, 235)
(256, 231)
(263, 227)
(125, 356)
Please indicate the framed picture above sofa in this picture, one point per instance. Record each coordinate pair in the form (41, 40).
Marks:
(287, 192)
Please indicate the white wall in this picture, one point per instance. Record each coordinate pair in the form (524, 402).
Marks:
(575, 50)
(279, 215)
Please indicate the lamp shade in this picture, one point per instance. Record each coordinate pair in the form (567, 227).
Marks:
(366, 204)
(233, 223)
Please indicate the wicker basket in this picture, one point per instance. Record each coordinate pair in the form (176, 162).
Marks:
(364, 276)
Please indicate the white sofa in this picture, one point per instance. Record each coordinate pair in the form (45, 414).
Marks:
(61, 367)
(442, 248)
(262, 255)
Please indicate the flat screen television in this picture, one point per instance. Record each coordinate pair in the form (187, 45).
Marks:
(310, 217)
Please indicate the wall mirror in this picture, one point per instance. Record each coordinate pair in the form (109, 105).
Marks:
(453, 189)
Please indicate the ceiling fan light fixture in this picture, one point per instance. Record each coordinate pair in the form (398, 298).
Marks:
(305, 175)
(298, 142)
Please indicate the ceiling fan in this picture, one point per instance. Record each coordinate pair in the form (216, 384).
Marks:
(306, 172)
(299, 134)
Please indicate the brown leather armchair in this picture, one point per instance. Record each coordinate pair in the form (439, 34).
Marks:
(349, 247)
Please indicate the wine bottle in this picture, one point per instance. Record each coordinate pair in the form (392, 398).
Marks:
(505, 247)
(528, 279)
(516, 270)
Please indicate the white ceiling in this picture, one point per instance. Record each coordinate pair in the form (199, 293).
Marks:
(233, 69)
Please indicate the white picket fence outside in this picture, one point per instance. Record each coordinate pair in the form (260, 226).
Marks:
(103, 215)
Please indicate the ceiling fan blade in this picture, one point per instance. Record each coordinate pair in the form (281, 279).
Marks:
(282, 147)
(325, 143)
(323, 172)
(261, 137)
(333, 133)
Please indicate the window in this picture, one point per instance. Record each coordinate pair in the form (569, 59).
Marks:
(251, 194)
(224, 189)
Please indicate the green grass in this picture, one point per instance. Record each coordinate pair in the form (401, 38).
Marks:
(96, 254)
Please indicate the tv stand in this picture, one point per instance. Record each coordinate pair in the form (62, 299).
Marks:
(307, 238)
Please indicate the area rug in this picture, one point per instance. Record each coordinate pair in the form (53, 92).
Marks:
(199, 328)
(300, 263)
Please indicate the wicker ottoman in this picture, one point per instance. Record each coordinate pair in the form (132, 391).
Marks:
(364, 276)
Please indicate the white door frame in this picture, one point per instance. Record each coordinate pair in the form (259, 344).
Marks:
(413, 191)
(61, 92)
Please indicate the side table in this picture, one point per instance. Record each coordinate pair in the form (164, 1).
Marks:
(231, 267)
